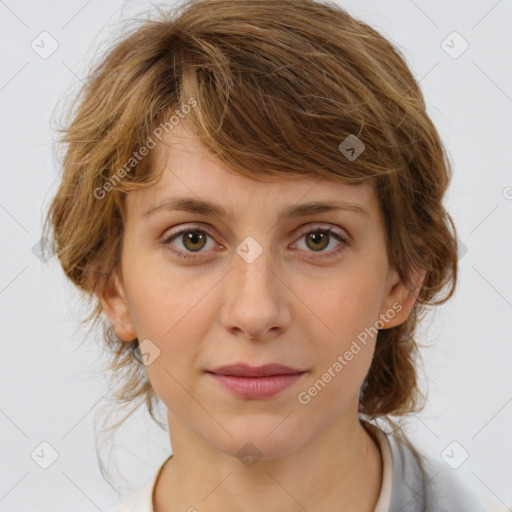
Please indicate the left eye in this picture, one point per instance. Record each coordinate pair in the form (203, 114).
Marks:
(193, 240)
(321, 238)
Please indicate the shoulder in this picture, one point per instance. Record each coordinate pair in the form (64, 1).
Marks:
(141, 499)
(138, 501)
(423, 484)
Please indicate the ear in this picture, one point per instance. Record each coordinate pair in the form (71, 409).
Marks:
(400, 300)
(111, 294)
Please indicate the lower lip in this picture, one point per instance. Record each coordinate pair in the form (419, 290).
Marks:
(257, 387)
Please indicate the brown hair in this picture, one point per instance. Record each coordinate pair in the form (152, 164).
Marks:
(273, 88)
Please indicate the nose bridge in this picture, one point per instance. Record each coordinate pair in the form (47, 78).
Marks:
(253, 263)
(254, 302)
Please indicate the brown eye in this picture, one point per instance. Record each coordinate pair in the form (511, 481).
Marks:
(318, 240)
(193, 240)
(187, 241)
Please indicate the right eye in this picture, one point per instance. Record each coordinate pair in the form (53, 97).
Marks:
(193, 240)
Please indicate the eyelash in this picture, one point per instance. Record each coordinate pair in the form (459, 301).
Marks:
(195, 229)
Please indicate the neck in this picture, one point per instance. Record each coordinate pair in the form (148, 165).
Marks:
(340, 469)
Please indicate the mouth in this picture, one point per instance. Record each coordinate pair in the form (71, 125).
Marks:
(244, 370)
(256, 382)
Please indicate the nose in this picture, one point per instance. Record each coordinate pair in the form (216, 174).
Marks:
(255, 296)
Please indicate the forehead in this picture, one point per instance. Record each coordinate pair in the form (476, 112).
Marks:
(189, 171)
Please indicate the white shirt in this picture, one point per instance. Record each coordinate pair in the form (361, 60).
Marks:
(402, 488)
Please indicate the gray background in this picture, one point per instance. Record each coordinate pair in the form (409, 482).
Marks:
(49, 386)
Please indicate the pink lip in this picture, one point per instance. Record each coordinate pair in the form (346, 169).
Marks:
(256, 382)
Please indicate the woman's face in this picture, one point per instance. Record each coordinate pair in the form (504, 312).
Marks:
(252, 283)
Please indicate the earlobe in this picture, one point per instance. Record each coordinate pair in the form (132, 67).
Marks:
(400, 300)
(111, 294)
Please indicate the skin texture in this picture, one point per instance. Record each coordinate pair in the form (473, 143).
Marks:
(287, 306)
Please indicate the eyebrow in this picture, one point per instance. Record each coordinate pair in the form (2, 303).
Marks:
(203, 207)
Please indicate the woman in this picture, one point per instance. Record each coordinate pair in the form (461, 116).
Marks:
(252, 194)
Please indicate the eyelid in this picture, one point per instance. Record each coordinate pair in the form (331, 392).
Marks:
(169, 236)
(323, 226)
(340, 235)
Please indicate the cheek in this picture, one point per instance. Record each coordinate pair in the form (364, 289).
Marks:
(174, 372)
(345, 307)
(166, 302)
(176, 316)
(344, 342)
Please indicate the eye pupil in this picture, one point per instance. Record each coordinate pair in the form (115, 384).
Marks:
(193, 237)
(318, 237)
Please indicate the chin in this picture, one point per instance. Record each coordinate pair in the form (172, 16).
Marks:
(266, 438)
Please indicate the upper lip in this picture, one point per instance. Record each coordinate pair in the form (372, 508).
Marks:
(244, 370)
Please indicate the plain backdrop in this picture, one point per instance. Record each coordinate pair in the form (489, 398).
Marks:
(460, 52)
